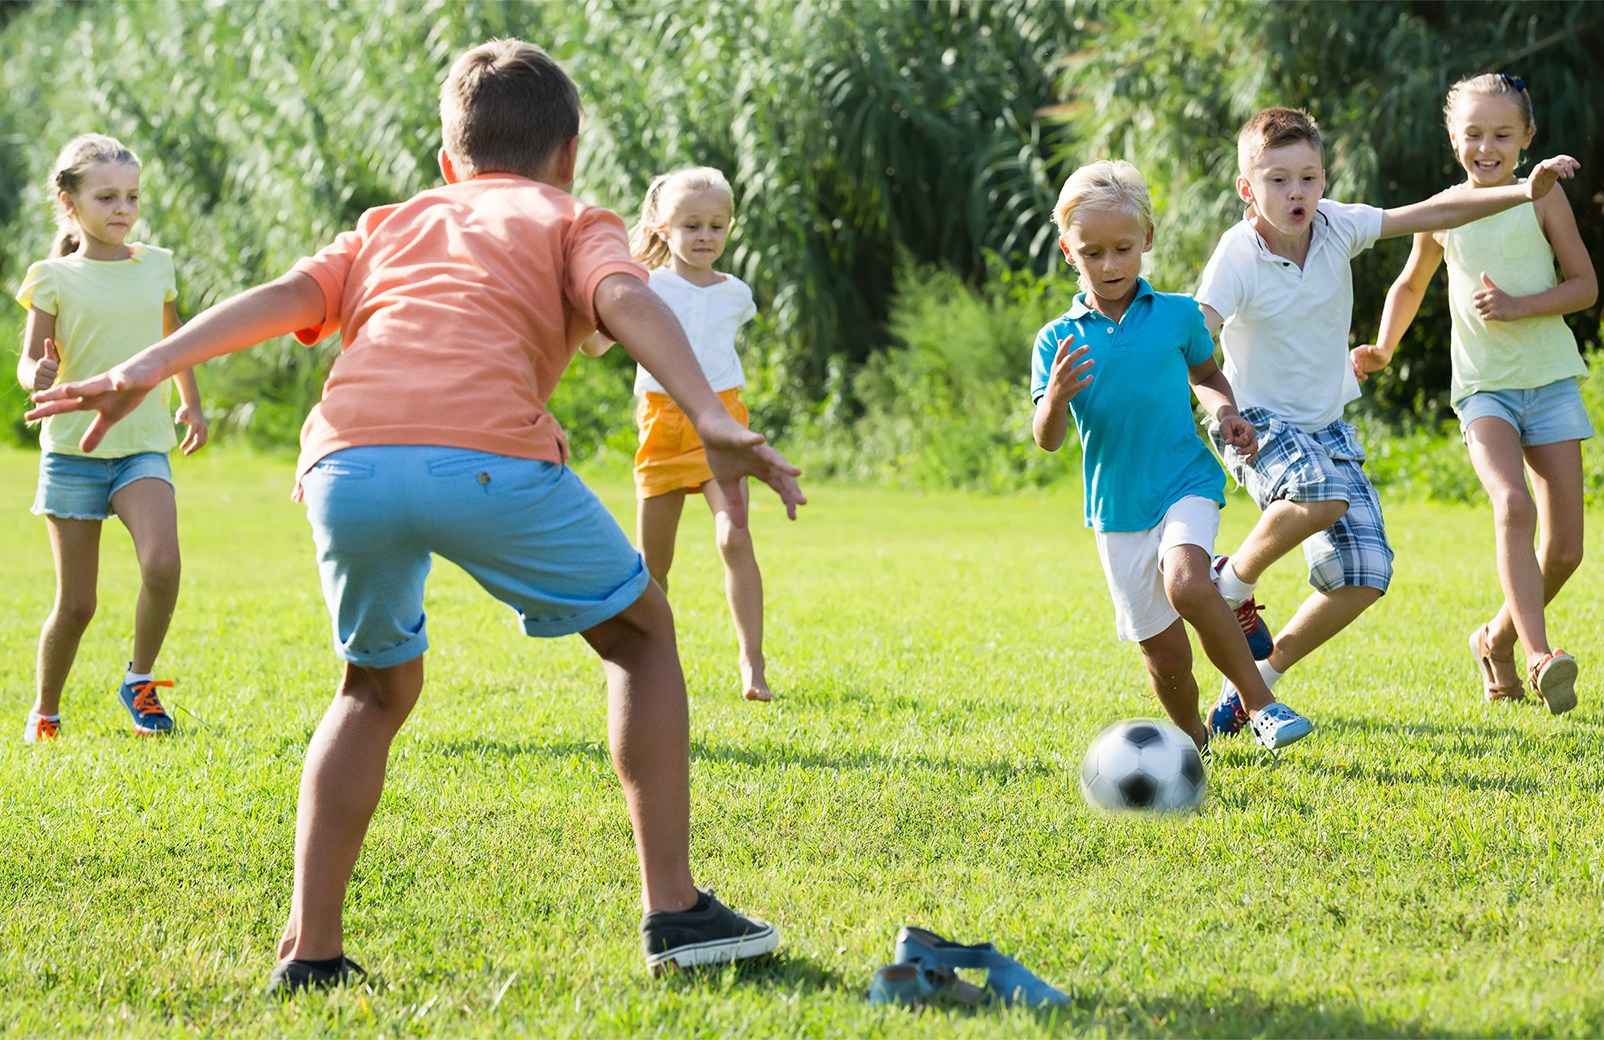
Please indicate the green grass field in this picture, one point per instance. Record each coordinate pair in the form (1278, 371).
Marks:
(1424, 865)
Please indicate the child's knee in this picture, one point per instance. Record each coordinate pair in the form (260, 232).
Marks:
(161, 571)
(1190, 593)
(1323, 514)
(74, 612)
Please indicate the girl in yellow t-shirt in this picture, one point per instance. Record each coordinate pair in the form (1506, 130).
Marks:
(1515, 378)
(96, 302)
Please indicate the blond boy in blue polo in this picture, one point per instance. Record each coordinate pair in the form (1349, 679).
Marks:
(1124, 360)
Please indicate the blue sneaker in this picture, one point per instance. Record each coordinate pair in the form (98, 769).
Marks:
(1228, 716)
(1278, 725)
(1260, 642)
(142, 703)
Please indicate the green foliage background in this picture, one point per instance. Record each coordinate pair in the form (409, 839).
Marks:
(895, 162)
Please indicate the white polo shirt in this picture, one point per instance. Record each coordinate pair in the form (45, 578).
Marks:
(1286, 328)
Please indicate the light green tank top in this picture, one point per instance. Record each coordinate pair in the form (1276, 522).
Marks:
(1505, 355)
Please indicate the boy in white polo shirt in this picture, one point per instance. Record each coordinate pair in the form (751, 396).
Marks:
(1278, 292)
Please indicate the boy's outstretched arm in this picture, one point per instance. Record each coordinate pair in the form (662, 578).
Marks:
(1456, 206)
(275, 309)
(637, 318)
(1403, 303)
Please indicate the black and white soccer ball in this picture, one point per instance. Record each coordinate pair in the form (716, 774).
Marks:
(1143, 764)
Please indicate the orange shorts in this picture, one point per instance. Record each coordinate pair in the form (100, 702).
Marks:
(670, 456)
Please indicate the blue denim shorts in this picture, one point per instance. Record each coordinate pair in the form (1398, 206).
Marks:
(77, 487)
(530, 533)
(1543, 415)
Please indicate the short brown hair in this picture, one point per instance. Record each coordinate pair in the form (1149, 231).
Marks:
(1272, 128)
(506, 106)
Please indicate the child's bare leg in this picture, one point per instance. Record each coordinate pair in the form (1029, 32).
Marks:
(1189, 585)
(648, 729)
(1168, 657)
(1282, 527)
(1556, 472)
(340, 786)
(1495, 453)
(1320, 617)
(148, 510)
(656, 528)
(743, 587)
(76, 547)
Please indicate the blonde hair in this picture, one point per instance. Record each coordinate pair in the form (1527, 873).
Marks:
(1272, 128)
(1495, 84)
(646, 245)
(1105, 184)
(74, 162)
(506, 106)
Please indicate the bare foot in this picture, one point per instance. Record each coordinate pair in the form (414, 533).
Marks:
(757, 687)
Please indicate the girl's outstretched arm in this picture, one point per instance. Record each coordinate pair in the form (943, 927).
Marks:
(1403, 303)
(1577, 288)
(280, 307)
(1456, 206)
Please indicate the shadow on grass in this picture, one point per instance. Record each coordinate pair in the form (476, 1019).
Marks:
(1236, 1013)
(748, 758)
(778, 972)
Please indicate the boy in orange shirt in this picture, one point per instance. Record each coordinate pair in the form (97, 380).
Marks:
(458, 311)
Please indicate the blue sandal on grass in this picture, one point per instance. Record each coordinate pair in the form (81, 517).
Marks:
(1007, 979)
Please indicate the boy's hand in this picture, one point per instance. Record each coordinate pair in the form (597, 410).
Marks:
(44, 373)
(1493, 303)
(111, 395)
(733, 452)
(1368, 358)
(1547, 172)
(1240, 434)
(195, 420)
(1070, 375)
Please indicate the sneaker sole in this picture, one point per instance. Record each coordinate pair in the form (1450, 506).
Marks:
(715, 951)
(1558, 685)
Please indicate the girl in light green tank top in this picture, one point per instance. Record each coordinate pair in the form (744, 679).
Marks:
(1515, 373)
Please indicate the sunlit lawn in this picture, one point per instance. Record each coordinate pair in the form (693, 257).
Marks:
(1423, 865)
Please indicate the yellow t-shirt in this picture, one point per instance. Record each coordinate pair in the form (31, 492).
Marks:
(106, 312)
(1505, 355)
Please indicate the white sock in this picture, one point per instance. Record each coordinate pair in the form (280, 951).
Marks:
(135, 677)
(1268, 674)
(34, 715)
(1233, 588)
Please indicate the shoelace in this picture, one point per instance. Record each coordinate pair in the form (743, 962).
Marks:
(1247, 615)
(145, 700)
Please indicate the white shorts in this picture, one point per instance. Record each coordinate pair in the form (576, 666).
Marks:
(1133, 563)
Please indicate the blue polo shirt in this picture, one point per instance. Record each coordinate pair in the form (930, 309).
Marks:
(1141, 452)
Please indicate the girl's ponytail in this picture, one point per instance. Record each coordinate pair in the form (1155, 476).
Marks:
(645, 244)
(67, 177)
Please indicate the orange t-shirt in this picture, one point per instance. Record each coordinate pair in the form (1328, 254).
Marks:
(458, 311)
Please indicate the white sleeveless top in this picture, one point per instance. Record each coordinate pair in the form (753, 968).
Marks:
(1505, 355)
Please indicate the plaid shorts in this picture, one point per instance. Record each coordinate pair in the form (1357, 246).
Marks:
(1324, 466)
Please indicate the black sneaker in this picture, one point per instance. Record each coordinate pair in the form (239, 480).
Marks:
(291, 977)
(707, 933)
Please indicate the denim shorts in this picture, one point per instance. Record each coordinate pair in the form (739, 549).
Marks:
(78, 487)
(530, 533)
(1325, 465)
(1543, 415)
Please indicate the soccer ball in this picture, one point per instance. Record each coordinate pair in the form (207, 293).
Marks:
(1143, 764)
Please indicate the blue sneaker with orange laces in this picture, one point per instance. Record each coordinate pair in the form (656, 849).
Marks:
(146, 708)
(1228, 716)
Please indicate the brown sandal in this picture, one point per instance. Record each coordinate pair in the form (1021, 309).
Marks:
(1500, 680)
(1554, 681)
